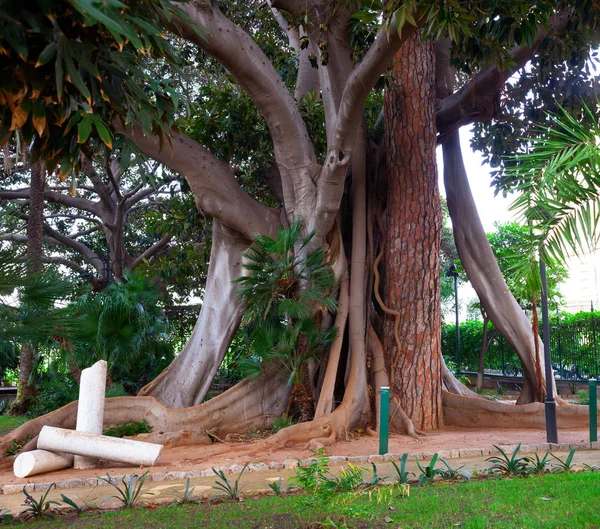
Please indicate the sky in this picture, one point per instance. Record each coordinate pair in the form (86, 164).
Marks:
(491, 208)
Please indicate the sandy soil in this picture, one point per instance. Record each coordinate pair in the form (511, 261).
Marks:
(197, 457)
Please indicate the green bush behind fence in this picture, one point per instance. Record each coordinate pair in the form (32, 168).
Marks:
(573, 345)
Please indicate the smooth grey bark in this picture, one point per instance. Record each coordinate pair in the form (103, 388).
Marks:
(187, 380)
(482, 268)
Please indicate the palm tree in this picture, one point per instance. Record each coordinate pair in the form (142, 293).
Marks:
(559, 191)
(284, 295)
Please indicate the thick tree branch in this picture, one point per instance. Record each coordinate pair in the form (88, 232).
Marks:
(74, 217)
(253, 71)
(339, 153)
(79, 247)
(153, 250)
(474, 102)
(65, 262)
(57, 198)
(212, 181)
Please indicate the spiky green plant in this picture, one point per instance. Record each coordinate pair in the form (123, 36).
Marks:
(559, 192)
(287, 288)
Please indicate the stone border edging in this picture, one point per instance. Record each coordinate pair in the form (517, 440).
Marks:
(290, 464)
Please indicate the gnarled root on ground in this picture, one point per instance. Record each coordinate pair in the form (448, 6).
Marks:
(249, 404)
(471, 412)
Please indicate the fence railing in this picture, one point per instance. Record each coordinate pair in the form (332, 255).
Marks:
(574, 347)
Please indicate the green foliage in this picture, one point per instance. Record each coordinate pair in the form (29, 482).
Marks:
(510, 466)
(186, 497)
(129, 491)
(55, 390)
(5, 516)
(232, 491)
(349, 479)
(128, 429)
(429, 472)
(509, 243)
(279, 423)
(69, 68)
(80, 508)
(124, 325)
(16, 445)
(287, 287)
(571, 345)
(559, 191)
(38, 508)
(402, 476)
(583, 397)
(308, 478)
(565, 466)
(275, 486)
(538, 466)
(454, 474)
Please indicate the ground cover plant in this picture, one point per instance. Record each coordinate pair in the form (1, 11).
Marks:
(548, 501)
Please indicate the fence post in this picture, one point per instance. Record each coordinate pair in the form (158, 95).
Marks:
(593, 402)
(595, 352)
(384, 419)
(502, 353)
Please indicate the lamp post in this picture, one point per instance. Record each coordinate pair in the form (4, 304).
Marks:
(108, 270)
(550, 403)
(451, 272)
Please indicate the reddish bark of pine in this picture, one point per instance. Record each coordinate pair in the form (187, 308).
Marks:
(413, 235)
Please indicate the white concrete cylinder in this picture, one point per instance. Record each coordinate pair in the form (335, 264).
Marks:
(99, 446)
(90, 410)
(39, 461)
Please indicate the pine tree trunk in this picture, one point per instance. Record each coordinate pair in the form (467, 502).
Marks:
(413, 235)
(35, 253)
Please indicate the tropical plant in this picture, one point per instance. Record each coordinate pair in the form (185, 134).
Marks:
(559, 190)
(6, 516)
(308, 478)
(279, 423)
(129, 491)
(564, 466)
(510, 466)
(186, 496)
(537, 465)
(38, 508)
(285, 292)
(454, 474)
(275, 486)
(80, 508)
(429, 472)
(402, 476)
(124, 325)
(232, 491)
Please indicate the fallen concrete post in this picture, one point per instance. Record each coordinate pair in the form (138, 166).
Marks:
(38, 461)
(90, 410)
(99, 446)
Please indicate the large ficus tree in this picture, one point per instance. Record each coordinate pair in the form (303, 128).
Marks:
(337, 185)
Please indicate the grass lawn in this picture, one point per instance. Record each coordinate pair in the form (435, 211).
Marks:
(550, 501)
(7, 422)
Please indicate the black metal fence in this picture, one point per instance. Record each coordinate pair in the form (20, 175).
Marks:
(573, 345)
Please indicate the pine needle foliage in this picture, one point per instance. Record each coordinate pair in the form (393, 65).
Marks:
(287, 289)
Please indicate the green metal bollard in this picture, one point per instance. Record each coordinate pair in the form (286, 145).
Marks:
(384, 419)
(593, 384)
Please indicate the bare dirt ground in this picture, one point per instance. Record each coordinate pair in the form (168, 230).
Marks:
(224, 454)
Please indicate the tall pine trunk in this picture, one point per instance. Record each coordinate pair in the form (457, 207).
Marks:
(35, 253)
(413, 235)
